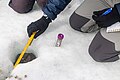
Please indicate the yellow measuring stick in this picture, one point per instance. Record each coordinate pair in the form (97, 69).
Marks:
(25, 48)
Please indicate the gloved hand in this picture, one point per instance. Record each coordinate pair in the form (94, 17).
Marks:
(106, 20)
(38, 26)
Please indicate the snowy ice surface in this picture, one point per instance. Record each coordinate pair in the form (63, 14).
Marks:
(71, 61)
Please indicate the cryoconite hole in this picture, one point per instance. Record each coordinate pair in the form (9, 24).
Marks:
(26, 58)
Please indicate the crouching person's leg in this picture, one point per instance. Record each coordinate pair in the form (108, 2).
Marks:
(81, 19)
(102, 49)
(22, 6)
(42, 3)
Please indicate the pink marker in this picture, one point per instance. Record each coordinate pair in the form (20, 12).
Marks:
(59, 40)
